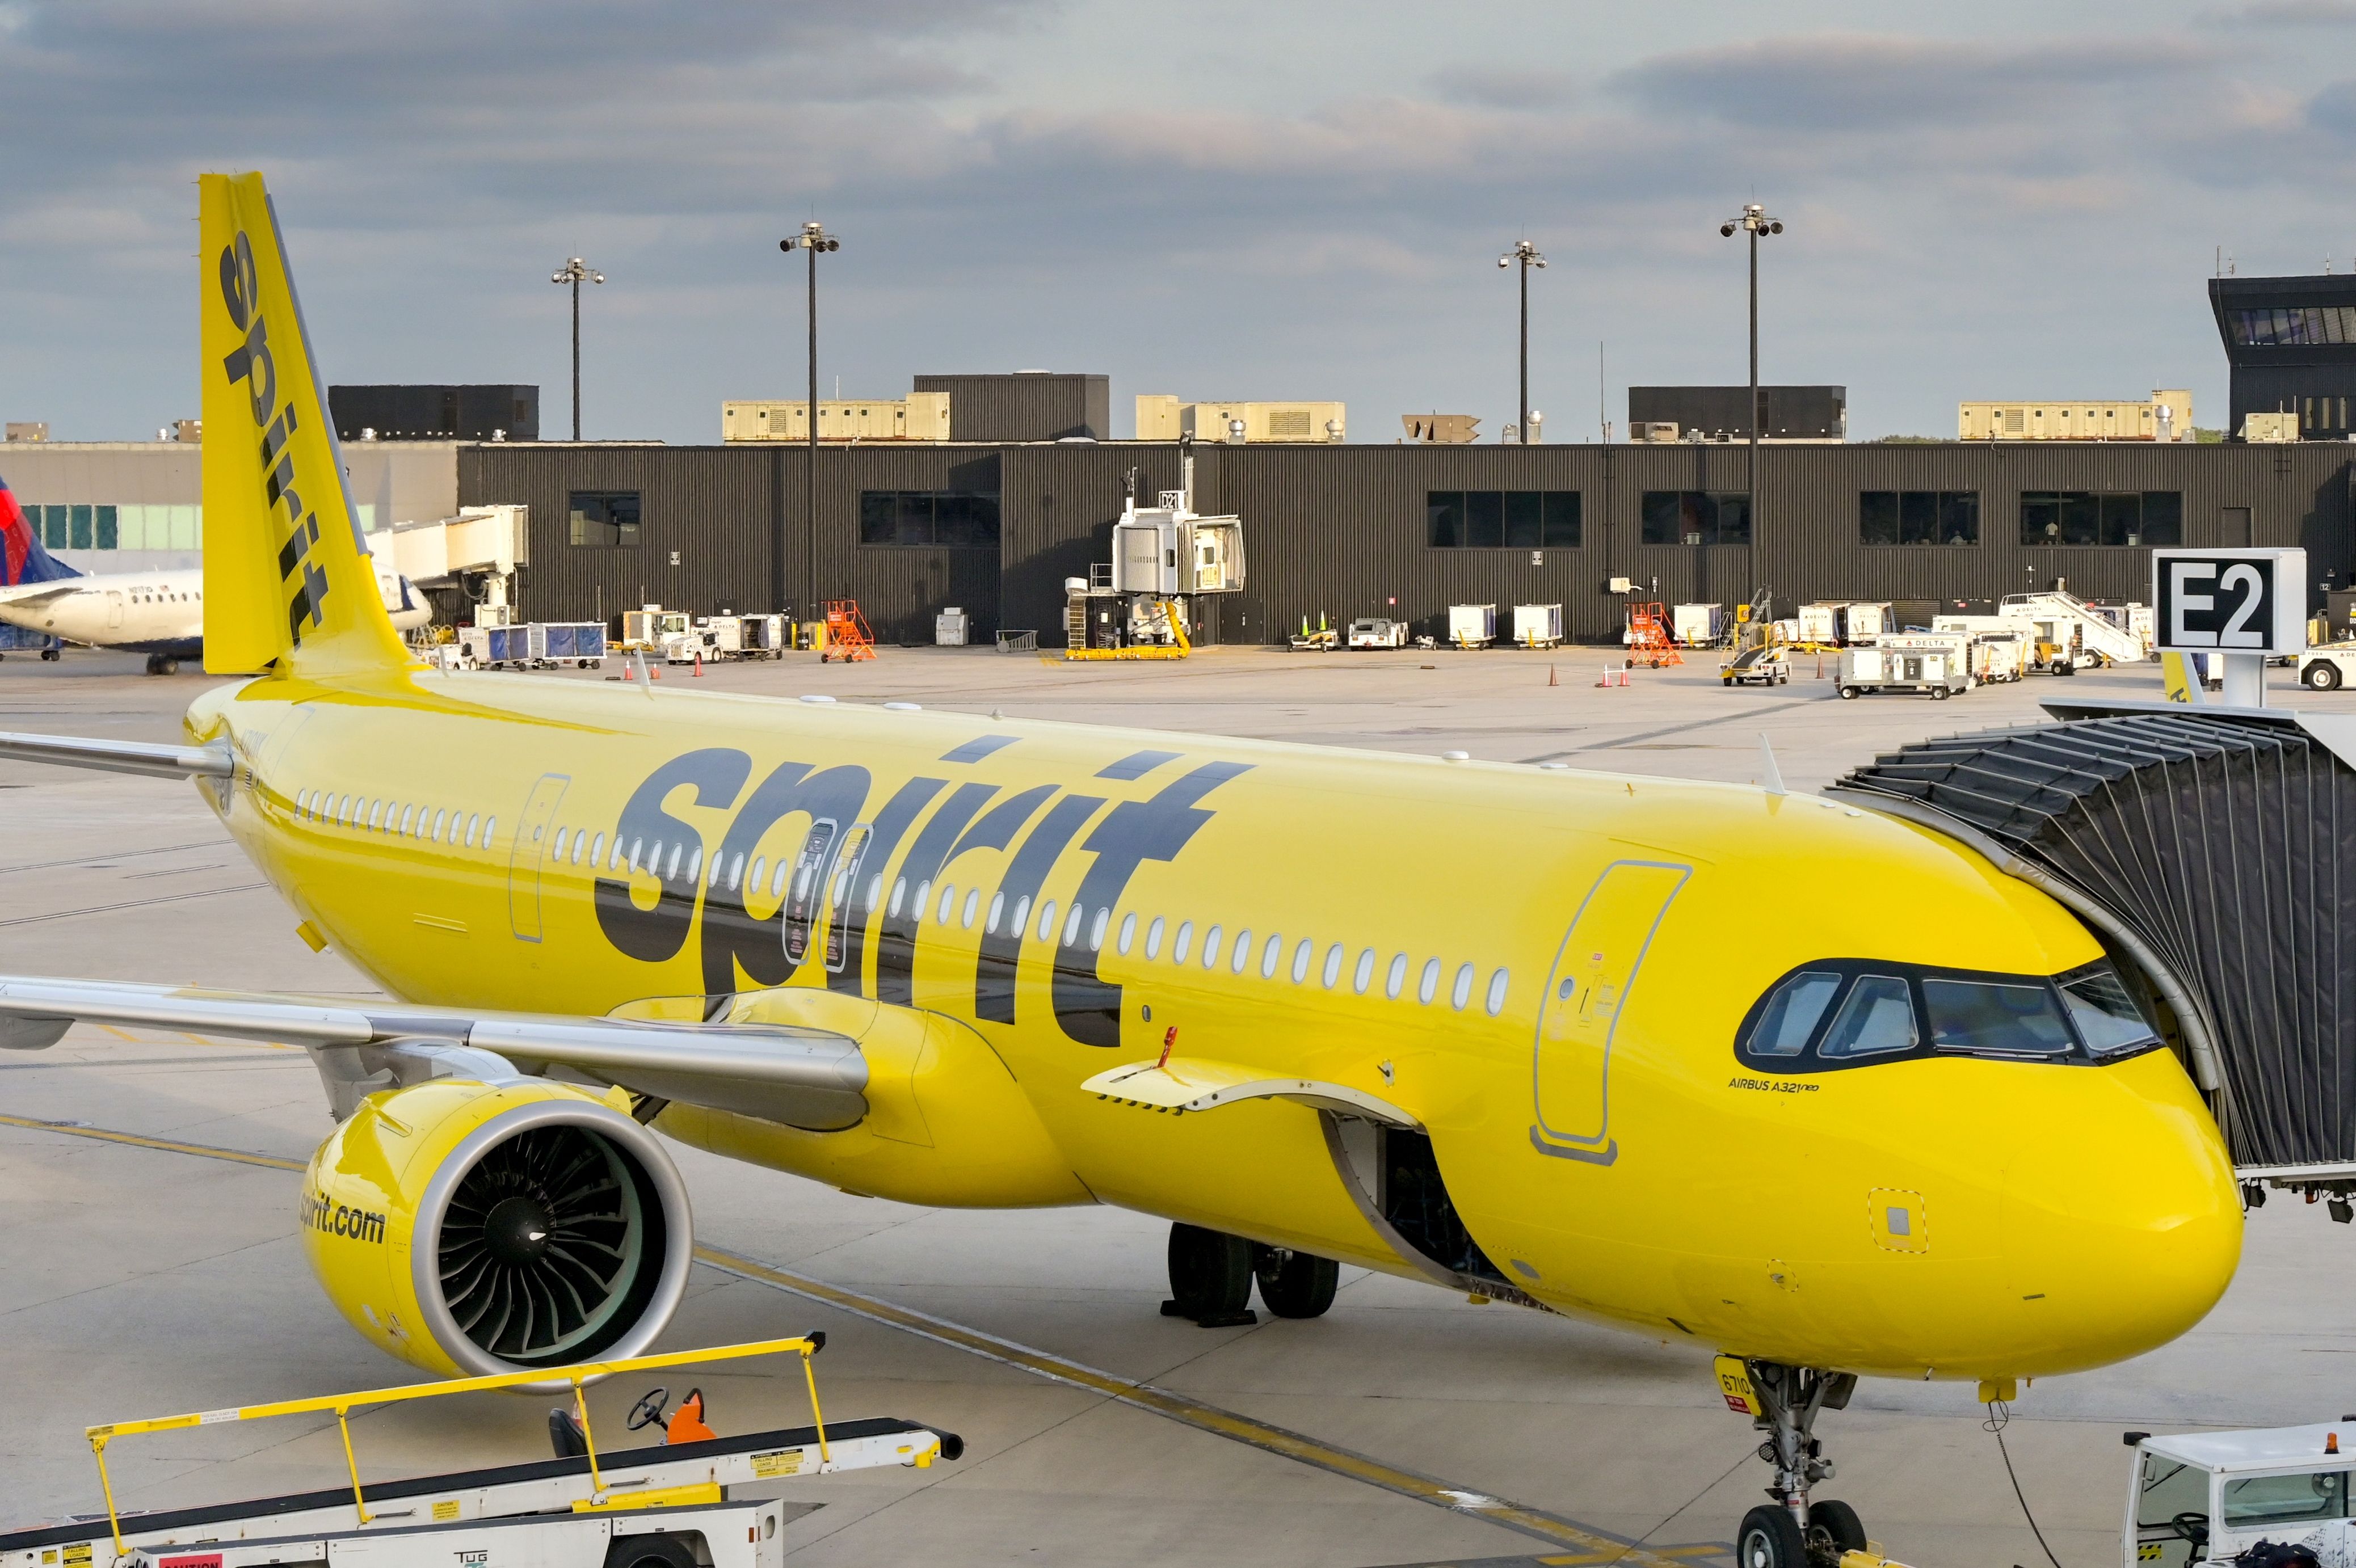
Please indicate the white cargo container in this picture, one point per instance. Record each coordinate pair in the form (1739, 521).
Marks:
(1864, 620)
(1821, 621)
(950, 627)
(1537, 626)
(1998, 657)
(1698, 625)
(1472, 625)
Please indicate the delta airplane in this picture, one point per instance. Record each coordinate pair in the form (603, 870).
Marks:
(160, 613)
(1513, 1031)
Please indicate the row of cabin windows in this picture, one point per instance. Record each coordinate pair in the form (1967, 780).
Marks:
(434, 825)
(672, 861)
(1077, 924)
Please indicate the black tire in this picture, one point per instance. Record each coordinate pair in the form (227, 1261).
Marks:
(1769, 1539)
(1849, 694)
(1834, 1528)
(167, 667)
(50, 655)
(1210, 1277)
(2321, 676)
(1294, 1285)
(657, 1548)
(1940, 694)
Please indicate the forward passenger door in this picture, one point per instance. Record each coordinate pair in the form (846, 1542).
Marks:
(1586, 995)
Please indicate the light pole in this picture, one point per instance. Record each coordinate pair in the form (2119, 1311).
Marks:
(1755, 222)
(576, 272)
(812, 239)
(1528, 255)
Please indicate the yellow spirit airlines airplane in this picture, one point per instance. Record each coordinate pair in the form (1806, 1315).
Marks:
(1513, 1031)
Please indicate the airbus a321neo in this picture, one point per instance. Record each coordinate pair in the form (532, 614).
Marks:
(1478, 1024)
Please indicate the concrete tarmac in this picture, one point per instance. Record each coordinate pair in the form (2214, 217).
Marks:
(137, 1280)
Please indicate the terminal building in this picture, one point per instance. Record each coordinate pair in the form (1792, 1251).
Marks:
(997, 525)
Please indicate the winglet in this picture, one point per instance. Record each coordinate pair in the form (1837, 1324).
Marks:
(1771, 777)
(288, 581)
(2181, 678)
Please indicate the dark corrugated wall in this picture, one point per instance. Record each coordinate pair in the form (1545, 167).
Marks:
(1024, 407)
(1341, 531)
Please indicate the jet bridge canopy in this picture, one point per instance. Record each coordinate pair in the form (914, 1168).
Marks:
(2209, 846)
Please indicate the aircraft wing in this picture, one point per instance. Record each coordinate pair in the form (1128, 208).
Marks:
(32, 596)
(807, 1078)
(119, 756)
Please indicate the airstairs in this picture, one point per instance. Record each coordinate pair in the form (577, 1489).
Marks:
(2058, 615)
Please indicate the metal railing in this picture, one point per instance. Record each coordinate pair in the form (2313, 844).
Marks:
(342, 1404)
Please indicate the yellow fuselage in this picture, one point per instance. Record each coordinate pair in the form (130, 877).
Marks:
(1595, 1132)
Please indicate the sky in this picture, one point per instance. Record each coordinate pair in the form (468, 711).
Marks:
(1218, 199)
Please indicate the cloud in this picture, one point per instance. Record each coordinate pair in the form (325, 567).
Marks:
(1838, 81)
(1501, 87)
(2286, 14)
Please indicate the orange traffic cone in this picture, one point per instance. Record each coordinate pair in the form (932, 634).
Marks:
(1551, 680)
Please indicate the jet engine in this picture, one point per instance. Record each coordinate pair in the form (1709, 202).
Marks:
(473, 1228)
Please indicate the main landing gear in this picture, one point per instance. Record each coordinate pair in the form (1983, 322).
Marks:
(163, 664)
(1792, 1531)
(1212, 1275)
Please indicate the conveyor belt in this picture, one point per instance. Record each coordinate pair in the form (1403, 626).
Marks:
(2218, 841)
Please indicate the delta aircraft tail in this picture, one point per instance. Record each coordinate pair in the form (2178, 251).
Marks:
(288, 583)
(22, 559)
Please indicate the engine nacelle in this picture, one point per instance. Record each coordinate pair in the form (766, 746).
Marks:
(472, 1228)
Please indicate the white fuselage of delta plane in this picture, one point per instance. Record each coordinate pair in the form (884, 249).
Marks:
(154, 612)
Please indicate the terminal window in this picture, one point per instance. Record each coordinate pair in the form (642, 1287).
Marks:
(1697, 517)
(2300, 325)
(2130, 517)
(951, 519)
(605, 520)
(1502, 519)
(1918, 517)
(75, 527)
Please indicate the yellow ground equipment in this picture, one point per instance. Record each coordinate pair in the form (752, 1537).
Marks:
(684, 1486)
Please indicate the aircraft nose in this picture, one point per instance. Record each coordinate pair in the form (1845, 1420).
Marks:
(2123, 1220)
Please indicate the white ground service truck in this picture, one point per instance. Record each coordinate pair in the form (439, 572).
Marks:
(1933, 662)
(663, 1507)
(2208, 1497)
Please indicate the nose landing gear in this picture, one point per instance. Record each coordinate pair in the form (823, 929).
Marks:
(1782, 1402)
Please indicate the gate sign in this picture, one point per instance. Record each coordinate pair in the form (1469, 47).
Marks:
(2231, 601)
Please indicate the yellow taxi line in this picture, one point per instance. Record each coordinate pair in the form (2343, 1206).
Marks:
(1595, 1548)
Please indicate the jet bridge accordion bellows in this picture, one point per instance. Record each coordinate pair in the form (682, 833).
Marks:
(2219, 841)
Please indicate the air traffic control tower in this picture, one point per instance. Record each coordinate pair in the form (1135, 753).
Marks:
(2291, 343)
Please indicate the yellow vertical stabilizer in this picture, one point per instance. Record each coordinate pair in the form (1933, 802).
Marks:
(288, 583)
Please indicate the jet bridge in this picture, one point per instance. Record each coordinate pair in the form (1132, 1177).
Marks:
(2215, 849)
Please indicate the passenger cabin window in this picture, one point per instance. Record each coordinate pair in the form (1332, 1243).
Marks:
(1850, 1012)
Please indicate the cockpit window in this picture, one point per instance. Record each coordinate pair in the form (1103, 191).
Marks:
(1793, 1012)
(1995, 1019)
(1853, 1012)
(1878, 1017)
(2103, 1009)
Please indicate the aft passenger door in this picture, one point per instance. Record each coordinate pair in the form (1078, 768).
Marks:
(1578, 1016)
(530, 849)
